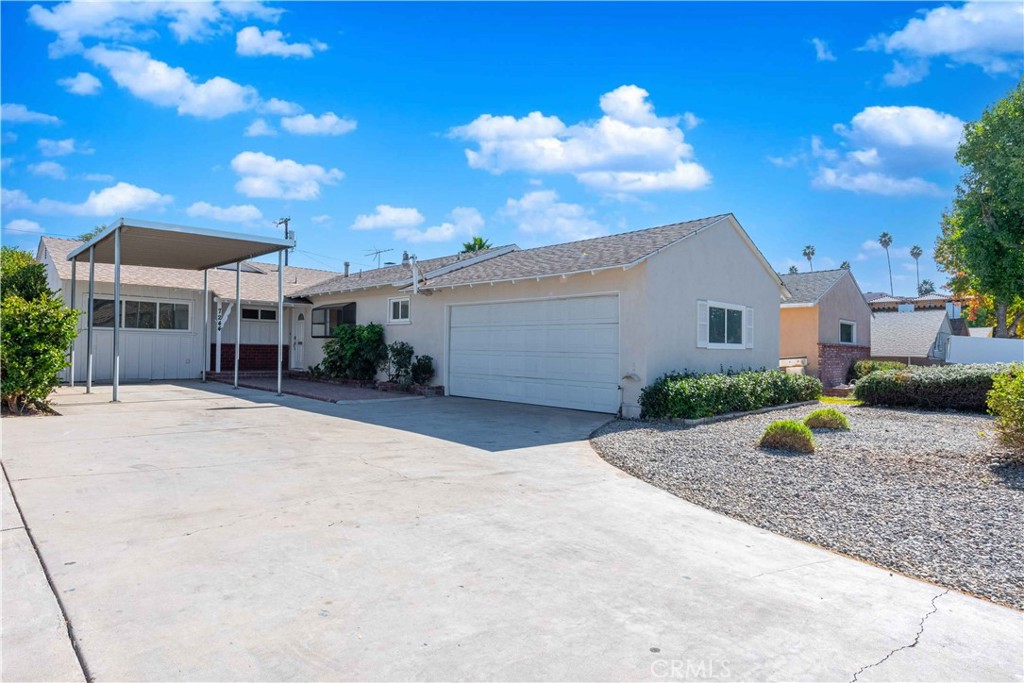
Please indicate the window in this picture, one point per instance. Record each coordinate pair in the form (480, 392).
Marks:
(324, 320)
(724, 326)
(847, 332)
(142, 315)
(264, 314)
(398, 310)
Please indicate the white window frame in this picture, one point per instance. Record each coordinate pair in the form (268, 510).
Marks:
(704, 325)
(153, 330)
(851, 323)
(399, 321)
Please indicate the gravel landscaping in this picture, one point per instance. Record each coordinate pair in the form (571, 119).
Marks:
(930, 494)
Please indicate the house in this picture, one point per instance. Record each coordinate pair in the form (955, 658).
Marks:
(886, 303)
(826, 324)
(581, 325)
(912, 337)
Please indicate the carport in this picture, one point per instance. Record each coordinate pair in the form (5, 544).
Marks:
(133, 242)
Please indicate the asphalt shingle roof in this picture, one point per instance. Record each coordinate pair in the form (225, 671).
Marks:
(255, 286)
(807, 288)
(907, 334)
(573, 257)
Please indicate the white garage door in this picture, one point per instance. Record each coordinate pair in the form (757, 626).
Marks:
(552, 352)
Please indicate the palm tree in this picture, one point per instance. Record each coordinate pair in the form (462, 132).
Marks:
(809, 255)
(474, 245)
(885, 239)
(915, 253)
(925, 287)
(793, 270)
(845, 265)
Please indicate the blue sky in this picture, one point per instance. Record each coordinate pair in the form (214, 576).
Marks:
(415, 126)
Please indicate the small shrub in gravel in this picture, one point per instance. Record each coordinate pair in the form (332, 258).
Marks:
(956, 387)
(788, 435)
(827, 418)
(863, 368)
(691, 396)
(1006, 401)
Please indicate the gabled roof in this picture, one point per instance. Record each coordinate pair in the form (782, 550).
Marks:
(808, 288)
(871, 296)
(909, 334)
(888, 299)
(258, 284)
(599, 253)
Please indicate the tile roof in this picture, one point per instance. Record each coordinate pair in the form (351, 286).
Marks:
(907, 334)
(573, 257)
(807, 288)
(255, 286)
(871, 296)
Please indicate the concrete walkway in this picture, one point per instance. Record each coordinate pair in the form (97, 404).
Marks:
(212, 534)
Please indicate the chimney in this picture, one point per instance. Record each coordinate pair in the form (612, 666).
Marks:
(346, 268)
(405, 258)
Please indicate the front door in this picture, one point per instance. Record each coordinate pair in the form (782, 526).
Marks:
(298, 336)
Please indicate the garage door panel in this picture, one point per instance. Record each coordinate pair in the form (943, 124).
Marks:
(556, 352)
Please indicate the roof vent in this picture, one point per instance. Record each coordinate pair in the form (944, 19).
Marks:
(405, 258)
(346, 268)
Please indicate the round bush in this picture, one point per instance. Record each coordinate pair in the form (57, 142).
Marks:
(1006, 401)
(788, 435)
(827, 418)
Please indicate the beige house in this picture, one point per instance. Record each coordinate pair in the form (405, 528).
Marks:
(581, 325)
(825, 325)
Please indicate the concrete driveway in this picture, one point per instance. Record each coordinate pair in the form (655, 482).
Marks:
(194, 532)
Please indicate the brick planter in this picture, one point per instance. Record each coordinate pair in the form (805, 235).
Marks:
(834, 361)
(250, 357)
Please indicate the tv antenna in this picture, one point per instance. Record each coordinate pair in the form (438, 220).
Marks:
(376, 253)
(288, 234)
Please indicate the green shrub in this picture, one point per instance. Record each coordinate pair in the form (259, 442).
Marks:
(34, 340)
(827, 418)
(21, 275)
(788, 435)
(423, 370)
(399, 361)
(690, 396)
(1006, 401)
(938, 387)
(863, 368)
(355, 352)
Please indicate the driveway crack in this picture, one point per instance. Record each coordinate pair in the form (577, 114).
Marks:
(917, 639)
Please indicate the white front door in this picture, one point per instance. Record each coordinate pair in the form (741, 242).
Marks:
(298, 336)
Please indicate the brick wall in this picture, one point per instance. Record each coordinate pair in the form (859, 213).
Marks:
(834, 360)
(250, 357)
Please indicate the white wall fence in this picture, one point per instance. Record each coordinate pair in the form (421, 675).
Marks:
(984, 350)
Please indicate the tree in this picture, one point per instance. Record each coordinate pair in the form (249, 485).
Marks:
(793, 270)
(21, 275)
(982, 242)
(885, 239)
(474, 245)
(86, 236)
(845, 265)
(925, 287)
(915, 253)
(809, 255)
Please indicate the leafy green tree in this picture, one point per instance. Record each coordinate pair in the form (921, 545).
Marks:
(474, 245)
(982, 242)
(809, 255)
(885, 239)
(915, 253)
(793, 270)
(86, 236)
(845, 265)
(20, 275)
(925, 287)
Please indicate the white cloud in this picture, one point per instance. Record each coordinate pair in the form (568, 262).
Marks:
(83, 83)
(166, 86)
(690, 120)
(821, 50)
(24, 226)
(986, 34)
(280, 107)
(133, 21)
(463, 222)
(116, 200)
(251, 42)
(323, 219)
(239, 213)
(19, 113)
(540, 215)
(259, 127)
(872, 183)
(99, 177)
(263, 176)
(389, 218)
(870, 249)
(629, 149)
(60, 148)
(48, 169)
(325, 124)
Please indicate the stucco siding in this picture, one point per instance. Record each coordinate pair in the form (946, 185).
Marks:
(844, 302)
(798, 335)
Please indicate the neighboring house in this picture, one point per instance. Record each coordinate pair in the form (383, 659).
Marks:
(912, 337)
(980, 331)
(578, 325)
(885, 303)
(827, 322)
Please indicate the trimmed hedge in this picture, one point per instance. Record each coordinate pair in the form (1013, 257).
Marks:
(1006, 401)
(690, 396)
(863, 368)
(937, 387)
(788, 435)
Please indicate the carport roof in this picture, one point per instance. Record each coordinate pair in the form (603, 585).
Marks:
(162, 245)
